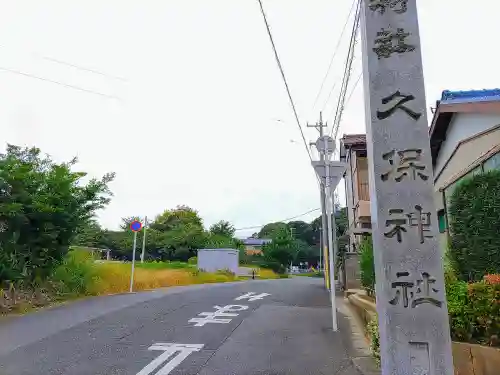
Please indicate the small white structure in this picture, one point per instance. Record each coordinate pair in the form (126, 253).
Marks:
(213, 260)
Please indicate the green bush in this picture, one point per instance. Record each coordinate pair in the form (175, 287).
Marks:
(76, 275)
(366, 265)
(163, 265)
(273, 266)
(474, 311)
(193, 261)
(373, 332)
(474, 224)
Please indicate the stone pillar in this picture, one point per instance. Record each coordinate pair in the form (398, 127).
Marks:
(411, 301)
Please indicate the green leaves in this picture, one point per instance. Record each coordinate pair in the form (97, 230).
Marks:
(475, 219)
(367, 265)
(222, 228)
(42, 205)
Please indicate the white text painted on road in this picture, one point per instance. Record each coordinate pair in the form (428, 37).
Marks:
(215, 317)
(179, 352)
(251, 296)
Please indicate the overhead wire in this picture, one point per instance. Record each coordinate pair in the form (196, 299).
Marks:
(79, 67)
(281, 221)
(83, 68)
(333, 58)
(352, 90)
(284, 79)
(59, 83)
(347, 74)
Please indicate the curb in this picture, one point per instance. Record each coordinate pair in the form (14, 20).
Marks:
(360, 354)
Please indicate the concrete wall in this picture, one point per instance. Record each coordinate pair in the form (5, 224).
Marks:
(352, 271)
(212, 260)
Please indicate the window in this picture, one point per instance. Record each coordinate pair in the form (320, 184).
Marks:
(441, 221)
(492, 163)
(366, 225)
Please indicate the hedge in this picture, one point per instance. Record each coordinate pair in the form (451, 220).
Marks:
(474, 313)
(474, 226)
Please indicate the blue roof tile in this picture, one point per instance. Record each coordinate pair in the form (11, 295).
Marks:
(470, 96)
(256, 241)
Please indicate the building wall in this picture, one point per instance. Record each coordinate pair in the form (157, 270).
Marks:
(485, 132)
(357, 193)
(463, 126)
(466, 154)
(213, 260)
(349, 195)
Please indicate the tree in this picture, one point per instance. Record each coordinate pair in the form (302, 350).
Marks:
(179, 216)
(89, 234)
(268, 229)
(42, 206)
(222, 228)
(282, 249)
(218, 241)
(302, 231)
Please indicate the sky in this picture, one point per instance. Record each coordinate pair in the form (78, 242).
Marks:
(192, 108)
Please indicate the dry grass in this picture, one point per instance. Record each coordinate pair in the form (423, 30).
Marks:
(267, 274)
(115, 278)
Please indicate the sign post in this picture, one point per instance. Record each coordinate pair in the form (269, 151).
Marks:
(135, 226)
(411, 300)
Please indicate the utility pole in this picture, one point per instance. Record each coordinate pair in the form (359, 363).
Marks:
(144, 239)
(319, 126)
(331, 172)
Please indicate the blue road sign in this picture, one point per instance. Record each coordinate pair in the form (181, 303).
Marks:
(135, 226)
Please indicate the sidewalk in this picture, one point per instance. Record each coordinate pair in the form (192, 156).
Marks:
(354, 339)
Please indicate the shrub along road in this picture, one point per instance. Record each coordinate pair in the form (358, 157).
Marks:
(281, 327)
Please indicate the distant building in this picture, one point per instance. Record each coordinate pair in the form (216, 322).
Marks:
(253, 246)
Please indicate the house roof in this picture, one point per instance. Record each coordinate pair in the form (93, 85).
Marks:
(351, 140)
(472, 101)
(256, 241)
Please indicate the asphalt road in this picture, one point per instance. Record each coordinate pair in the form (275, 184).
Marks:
(287, 332)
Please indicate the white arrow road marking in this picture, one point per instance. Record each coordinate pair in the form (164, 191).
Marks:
(212, 317)
(169, 349)
(251, 296)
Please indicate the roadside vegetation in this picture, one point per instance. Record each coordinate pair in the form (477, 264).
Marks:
(52, 247)
(472, 263)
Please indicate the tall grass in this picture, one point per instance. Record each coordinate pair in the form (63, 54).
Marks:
(165, 265)
(81, 275)
(76, 276)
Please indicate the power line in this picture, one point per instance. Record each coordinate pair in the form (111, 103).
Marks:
(59, 83)
(353, 88)
(333, 57)
(79, 67)
(347, 74)
(284, 79)
(280, 221)
(83, 68)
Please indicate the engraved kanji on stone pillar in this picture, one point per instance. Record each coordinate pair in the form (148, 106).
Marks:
(411, 300)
